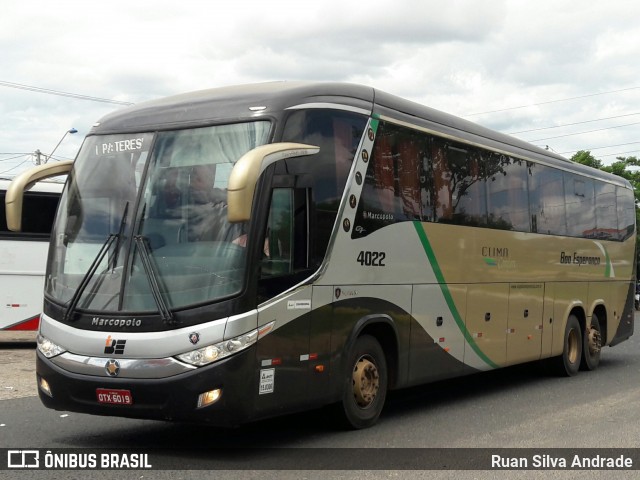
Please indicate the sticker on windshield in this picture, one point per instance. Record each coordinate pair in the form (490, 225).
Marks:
(129, 145)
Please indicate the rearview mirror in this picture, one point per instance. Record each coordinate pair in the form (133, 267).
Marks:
(247, 170)
(15, 192)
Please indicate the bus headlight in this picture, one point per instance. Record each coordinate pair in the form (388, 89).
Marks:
(48, 348)
(212, 353)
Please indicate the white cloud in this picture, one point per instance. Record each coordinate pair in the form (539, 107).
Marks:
(462, 56)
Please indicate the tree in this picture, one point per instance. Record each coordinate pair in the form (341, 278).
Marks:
(622, 167)
(585, 158)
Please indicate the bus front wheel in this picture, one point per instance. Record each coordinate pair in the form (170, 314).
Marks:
(568, 363)
(365, 383)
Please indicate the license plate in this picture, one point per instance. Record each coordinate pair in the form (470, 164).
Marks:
(114, 397)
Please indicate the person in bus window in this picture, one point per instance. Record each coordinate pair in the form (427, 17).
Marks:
(207, 209)
(170, 197)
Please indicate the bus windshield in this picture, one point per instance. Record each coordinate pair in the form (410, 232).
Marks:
(143, 221)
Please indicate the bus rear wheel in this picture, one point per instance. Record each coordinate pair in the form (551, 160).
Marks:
(592, 345)
(365, 384)
(568, 364)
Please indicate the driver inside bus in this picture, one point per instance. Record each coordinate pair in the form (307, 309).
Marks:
(170, 195)
(207, 209)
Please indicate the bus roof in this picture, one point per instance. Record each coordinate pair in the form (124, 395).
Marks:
(237, 103)
(230, 103)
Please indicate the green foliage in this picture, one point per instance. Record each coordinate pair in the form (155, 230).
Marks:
(622, 167)
(585, 158)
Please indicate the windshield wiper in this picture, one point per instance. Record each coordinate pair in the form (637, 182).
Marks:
(152, 276)
(106, 246)
(116, 252)
(73, 303)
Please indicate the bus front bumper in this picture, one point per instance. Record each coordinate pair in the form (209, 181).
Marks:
(172, 398)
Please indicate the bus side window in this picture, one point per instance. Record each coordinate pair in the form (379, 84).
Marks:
(547, 200)
(286, 242)
(507, 194)
(277, 259)
(606, 214)
(37, 216)
(392, 190)
(580, 206)
(441, 195)
(626, 213)
(285, 246)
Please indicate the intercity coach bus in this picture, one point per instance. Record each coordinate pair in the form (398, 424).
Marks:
(238, 253)
(23, 256)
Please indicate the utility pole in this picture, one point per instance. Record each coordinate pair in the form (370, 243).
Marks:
(39, 155)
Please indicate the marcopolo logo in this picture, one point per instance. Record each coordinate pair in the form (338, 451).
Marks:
(115, 322)
(114, 347)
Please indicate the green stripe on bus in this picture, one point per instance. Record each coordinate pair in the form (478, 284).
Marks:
(447, 294)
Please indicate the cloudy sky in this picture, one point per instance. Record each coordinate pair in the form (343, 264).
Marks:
(558, 73)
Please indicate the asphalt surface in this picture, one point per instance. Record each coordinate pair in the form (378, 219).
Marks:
(518, 407)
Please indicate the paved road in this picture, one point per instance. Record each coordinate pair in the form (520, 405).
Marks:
(519, 407)
(17, 365)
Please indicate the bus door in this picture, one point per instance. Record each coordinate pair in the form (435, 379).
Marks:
(284, 355)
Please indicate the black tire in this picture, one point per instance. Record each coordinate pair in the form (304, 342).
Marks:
(592, 345)
(365, 383)
(568, 364)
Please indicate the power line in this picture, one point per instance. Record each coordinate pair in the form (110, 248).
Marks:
(57, 158)
(17, 155)
(572, 124)
(551, 101)
(62, 94)
(600, 148)
(14, 167)
(581, 133)
(616, 154)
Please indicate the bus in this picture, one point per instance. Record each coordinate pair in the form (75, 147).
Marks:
(244, 252)
(23, 256)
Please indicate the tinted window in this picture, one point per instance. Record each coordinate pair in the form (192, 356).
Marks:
(626, 212)
(394, 187)
(338, 135)
(507, 193)
(467, 185)
(415, 176)
(606, 213)
(38, 212)
(580, 205)
(546, 195)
